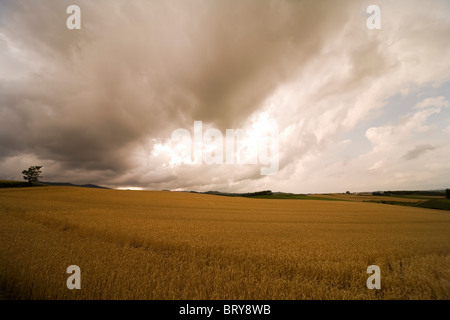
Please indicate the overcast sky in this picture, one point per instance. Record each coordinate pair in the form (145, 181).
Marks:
(356, 109)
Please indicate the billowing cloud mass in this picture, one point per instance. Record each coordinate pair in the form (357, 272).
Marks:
(356, 109)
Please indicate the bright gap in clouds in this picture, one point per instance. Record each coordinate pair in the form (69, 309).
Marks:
(130, 188)
(241, 142)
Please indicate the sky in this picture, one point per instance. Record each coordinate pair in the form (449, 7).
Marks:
(325, 103)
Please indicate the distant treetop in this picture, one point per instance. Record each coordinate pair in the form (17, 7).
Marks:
(33, 174)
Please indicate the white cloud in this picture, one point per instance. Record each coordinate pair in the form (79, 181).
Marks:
(447, 129)
(377, 165)
(440, 102)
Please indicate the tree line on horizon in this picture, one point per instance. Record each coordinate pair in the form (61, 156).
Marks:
(33, 175)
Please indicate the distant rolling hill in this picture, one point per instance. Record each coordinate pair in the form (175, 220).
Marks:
(21, 184)
(68, 184)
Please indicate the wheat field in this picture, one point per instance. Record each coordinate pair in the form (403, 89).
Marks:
(172, 245)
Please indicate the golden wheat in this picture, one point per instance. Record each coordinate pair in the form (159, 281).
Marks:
(168, 245)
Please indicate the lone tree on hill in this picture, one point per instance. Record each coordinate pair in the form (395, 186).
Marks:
(33, 174)
(447, 193)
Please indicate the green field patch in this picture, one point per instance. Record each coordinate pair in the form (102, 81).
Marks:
(438, 204)
(294, 197)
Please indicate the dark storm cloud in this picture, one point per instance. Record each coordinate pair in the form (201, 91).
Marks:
(140, 69)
